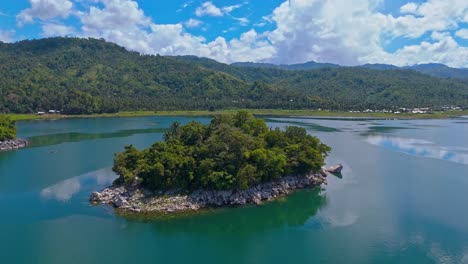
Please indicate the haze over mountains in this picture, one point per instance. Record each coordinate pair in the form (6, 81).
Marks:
(77, 76)
(434, 69)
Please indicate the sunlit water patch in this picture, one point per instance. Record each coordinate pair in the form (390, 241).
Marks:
(422, 148)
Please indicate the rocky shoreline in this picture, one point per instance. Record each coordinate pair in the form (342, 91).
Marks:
(13, 144)
(135, 199)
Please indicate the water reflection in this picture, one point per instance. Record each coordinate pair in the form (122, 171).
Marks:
(298, 122)
(64, 190)
(385, 129)
(55, 139)
(292, 211)
(348, 219)
(420, 148)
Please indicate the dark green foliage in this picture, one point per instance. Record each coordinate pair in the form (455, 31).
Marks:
(7, 128)
(441, 70)
(232, 152)
(82, 76)
(434, 69)
(360, 88)
(313, 85)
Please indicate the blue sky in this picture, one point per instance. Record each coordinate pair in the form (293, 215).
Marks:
(169, 12)
(347, 32)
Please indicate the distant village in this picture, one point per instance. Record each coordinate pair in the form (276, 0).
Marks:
(50, 112)
(423, 110)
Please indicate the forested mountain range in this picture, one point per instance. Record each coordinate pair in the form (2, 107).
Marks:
(434, 69)
(301, 66)
(92, 76)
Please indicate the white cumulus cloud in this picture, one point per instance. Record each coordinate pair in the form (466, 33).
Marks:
(409, 8)
(442, 48)
(229, 9)
(53, 30)
(44, 9)
(355, 32)
(6, 35)
(433, 15)
(462, 33)
(193, 23)
(125, 23)
(338, 31)
(208, 9)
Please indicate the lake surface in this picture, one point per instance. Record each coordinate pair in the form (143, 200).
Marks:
(403, 198)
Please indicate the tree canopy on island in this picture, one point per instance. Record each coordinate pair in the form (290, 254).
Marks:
(7, 128)
(232, 152)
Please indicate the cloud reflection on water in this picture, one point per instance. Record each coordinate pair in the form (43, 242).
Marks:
(348, 219)
(64, 190)
(421, 148)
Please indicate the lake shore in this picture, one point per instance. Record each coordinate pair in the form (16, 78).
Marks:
(262, 112)
(13, 144)
(135, 199)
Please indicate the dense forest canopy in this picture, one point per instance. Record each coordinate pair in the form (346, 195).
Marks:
(7, 128)
(83, 76)
(232, 152)
(434, 69)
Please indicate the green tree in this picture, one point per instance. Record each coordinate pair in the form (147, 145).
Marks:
(233, 151)
(7, 128)
(127, 164)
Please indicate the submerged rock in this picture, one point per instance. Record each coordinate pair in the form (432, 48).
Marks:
(136, 199)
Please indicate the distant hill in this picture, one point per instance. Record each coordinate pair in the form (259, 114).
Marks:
(92, 76)
(311, 65)
(88, 75)
(379, 66)
(440, 70)
(433, 69)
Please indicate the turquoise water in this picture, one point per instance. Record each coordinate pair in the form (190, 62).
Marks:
(402, 199)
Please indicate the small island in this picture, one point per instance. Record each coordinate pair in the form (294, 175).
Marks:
(8, 140)
(234, 160)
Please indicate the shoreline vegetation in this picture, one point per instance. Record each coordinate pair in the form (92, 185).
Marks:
(234, 160)
(260, 112)
(8, 140)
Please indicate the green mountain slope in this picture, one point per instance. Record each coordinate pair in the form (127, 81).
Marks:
(93, 76)
(433, 69)
(86, 76)
(365, 88)
(351, 87)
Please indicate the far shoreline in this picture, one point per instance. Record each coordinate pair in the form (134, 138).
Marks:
(315, 114)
